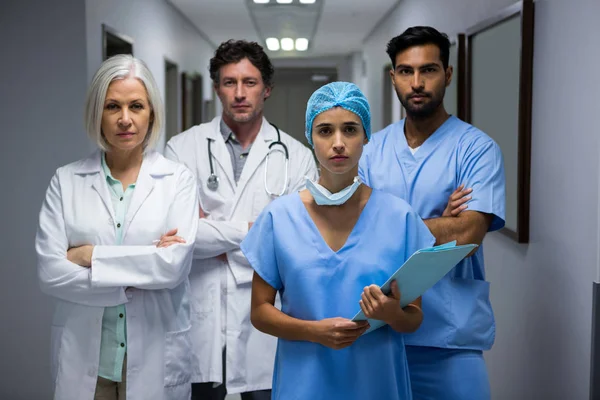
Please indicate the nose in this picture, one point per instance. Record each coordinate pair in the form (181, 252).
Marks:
(417, 83)
(125, 119)
(338, 142)
(240, 93)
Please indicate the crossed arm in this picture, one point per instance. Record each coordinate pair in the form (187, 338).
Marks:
(456, 223)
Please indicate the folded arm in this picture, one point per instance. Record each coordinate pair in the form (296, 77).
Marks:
(467, 227)
(59, 277)
(152, 267)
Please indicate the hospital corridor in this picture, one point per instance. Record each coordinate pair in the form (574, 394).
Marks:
(212, 199)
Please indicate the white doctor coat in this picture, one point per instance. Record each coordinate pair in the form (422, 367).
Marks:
(151, 282)
(250, 353)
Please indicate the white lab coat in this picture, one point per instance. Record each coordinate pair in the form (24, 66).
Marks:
(250, 353)
(151, 282)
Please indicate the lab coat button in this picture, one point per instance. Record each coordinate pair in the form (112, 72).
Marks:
(122, 344)
(121, 315)
(119, 225)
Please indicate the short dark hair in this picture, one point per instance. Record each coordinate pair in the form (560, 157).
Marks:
(234, 51)
(419, 36)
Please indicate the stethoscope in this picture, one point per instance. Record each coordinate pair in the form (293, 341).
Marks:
(213, 180)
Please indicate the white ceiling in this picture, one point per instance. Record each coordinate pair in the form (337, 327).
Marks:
(334, 27)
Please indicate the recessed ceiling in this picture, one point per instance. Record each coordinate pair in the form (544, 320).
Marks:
(333, 27)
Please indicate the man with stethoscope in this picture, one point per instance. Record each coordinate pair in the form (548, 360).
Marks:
(242, 163)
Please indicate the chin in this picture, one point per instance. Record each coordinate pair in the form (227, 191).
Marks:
(242, 117)
(339, 169)
(126, 146)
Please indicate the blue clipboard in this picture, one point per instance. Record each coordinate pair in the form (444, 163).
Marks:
(420, 272)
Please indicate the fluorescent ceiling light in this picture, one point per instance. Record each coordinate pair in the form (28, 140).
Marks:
(261, 1)
(301, 44)
(284, 1)
(307, 1)
(287, 44)
(319, 78)
(272, 44)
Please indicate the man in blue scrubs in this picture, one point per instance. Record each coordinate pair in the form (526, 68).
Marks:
(423, 159)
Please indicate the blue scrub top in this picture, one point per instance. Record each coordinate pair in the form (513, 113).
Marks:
(457, 310)
(287, 250)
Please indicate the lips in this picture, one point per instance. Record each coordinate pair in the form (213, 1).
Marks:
(338, 158)
(125, 134)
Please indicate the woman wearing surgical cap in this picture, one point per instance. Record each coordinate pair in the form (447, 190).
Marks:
(324, 249)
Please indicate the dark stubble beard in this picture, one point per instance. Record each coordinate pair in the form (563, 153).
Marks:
(426, 110)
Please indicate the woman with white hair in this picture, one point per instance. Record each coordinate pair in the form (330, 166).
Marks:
(114, 246)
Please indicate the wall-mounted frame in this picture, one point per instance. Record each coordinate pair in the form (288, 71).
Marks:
(454, 100)
(499, 100)
(114, 43)
(172, 126)
(191, 100)
(387, 103)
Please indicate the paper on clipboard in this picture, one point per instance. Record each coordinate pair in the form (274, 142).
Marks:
(420, 272)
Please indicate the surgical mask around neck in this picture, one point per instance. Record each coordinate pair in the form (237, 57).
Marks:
(324, 197)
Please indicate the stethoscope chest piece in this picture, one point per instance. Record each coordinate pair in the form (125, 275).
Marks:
(213, 182)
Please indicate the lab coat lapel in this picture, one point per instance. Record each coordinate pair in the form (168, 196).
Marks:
(93, 166)
(257, 155)
(143, 187)
(220, 155)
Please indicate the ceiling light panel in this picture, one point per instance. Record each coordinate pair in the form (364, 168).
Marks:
(301, 44)
(293, 20)
(272, 44)
(287, 44)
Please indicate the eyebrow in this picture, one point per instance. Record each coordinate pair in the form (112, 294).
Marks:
(132, 101)
(429, 65)
(245, 78)
(324, 124)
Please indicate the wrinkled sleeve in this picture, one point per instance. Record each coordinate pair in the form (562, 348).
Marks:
(259, 249)
(483, 170)
(58, 276)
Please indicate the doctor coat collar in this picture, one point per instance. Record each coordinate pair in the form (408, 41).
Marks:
(267, 133)
(152, 164)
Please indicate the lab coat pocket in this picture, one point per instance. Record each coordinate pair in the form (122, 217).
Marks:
(56, 334)
(178, 368)
(472, 312)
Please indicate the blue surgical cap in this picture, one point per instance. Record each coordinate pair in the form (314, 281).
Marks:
(338, 94)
